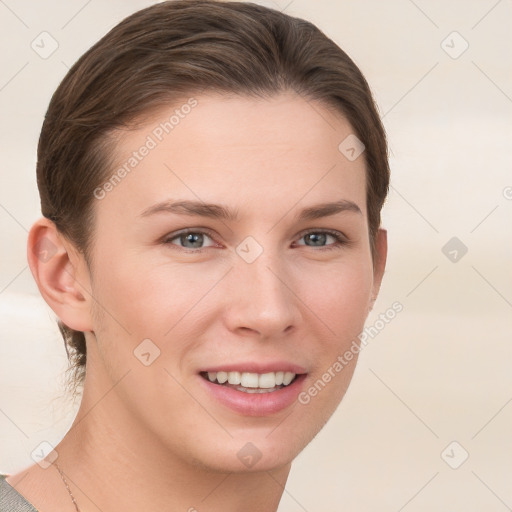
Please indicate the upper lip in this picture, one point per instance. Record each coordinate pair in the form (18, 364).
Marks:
(254, 367)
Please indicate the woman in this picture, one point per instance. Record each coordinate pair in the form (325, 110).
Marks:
(211, 178)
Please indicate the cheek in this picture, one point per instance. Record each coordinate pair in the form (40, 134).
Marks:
(146, 298)
(138, 291)
(150, 298)
(339, 296)
(339, 302)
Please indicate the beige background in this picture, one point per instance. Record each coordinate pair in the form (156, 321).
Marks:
(441, 370)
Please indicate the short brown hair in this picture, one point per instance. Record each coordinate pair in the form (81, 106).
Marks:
(178, 48)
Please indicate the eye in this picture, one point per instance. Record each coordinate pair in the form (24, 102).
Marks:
(195, 240)
(325, 239)
(190, 240)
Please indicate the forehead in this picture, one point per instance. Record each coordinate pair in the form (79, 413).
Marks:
(240, 150)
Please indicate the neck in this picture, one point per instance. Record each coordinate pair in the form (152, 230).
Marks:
(112, 463)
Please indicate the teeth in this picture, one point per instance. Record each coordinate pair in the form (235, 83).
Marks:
(267, 380)
(234, 377)
(222, 377)
(288, 377)
(249, 380)
(253, 380)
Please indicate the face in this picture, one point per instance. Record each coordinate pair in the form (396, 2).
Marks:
(235, 248)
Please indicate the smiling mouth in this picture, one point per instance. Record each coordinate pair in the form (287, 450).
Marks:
(248, 382)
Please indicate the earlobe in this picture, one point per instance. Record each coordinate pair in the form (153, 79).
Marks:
(60, 273)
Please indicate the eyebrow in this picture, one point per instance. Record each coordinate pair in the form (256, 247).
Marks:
(217, 211)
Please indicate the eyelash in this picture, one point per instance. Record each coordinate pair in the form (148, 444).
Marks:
(341, 240)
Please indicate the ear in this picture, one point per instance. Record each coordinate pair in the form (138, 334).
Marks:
(61, 274)
(381, 253)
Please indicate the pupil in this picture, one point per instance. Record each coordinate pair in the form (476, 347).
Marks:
(195, 239)
(316, 238)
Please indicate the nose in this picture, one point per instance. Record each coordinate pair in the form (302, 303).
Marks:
(260, 299)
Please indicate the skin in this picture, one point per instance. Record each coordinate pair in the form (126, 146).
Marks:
(147, 437)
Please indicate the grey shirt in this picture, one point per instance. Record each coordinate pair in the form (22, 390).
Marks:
(11, 500)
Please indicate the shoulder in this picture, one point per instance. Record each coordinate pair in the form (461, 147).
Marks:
(32, 489)
(11, 500)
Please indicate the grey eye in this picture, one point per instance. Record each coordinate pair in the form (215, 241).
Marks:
(315, 238)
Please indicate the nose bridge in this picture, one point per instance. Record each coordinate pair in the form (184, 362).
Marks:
(262, 299)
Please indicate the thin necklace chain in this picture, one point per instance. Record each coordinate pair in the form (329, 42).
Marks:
(67, 487)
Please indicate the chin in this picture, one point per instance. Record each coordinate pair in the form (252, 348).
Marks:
(246, 454)
(255, 451)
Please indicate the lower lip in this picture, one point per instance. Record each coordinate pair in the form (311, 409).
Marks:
(255, 404)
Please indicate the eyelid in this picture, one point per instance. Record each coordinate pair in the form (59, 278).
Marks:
(203, 231)
(339, 236)
(333, 232)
